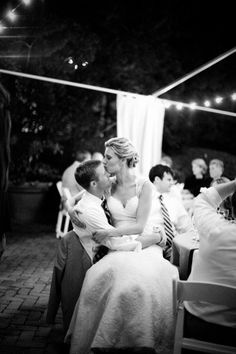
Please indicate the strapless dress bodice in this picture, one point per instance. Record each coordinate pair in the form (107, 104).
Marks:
(123, 214)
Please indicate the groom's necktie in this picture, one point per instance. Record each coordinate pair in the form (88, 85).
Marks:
(103, 250)
(168, 228)
(106, 211)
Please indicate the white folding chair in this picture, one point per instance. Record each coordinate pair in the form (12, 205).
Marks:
(63, 218)
(200, 291)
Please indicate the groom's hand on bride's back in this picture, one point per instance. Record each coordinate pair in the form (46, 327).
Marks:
(100, 235)
(75, 218)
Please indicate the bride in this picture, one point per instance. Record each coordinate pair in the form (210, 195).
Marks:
(126, 298)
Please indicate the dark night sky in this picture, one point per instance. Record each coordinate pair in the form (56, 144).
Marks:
(209, 24)
(203, 30)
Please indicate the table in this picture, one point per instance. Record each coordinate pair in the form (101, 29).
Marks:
(183, 247)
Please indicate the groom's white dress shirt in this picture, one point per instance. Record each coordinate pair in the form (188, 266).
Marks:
(94, 217)
(92, 214)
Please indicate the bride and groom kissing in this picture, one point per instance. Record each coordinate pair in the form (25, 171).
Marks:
(126, 298)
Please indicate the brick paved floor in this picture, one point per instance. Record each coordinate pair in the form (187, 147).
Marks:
(25, 276)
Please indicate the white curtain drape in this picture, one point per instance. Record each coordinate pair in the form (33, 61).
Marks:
(141, 119)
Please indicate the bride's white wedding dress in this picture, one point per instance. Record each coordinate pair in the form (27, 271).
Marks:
(126, 299)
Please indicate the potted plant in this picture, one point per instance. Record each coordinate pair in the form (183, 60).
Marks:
(31, 183)
(34, 167)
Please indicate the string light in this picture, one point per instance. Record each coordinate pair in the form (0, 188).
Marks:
(179, 106)
(207, 103)
(233, 96)
(167, 104)
(26, 2)
(193, 105)
(71, 60)
(1, 27)
(12, 15)
(218, 100)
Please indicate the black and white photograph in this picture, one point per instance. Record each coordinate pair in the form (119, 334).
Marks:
(118, 177)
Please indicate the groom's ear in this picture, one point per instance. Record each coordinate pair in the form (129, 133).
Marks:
(93, 184)
(156, 180)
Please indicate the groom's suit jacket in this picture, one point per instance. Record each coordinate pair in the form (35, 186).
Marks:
(71, 265)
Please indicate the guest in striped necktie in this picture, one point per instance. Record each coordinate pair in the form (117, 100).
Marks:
(169, 210)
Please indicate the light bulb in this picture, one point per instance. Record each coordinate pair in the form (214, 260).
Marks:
(179, 106)
(11, 15)
(192, 105)
(207, 103)
(233, 96)
(1, 28)
(26, 2)
(167, 104)
(218, 99)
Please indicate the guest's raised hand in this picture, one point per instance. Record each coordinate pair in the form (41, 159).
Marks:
(74, 216)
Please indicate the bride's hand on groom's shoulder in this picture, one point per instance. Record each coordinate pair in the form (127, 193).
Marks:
(74, 216)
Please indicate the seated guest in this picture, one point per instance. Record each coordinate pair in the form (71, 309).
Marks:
(225, 208)
(215, 262)
(68, 177)
(162, 178)
(198, 178)
(97, 156)
(216, 169)
(166, 160)
(176, 187)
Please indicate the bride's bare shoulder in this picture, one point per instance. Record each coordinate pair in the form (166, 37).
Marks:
(143, 185)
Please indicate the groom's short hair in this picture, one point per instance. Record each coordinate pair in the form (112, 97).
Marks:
(85, 173)
(158, 171)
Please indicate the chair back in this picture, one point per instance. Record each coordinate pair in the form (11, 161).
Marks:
(59, 187)
(63, 191)
(63, 218)
(200, 291)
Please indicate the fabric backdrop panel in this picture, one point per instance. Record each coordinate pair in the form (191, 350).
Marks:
(141, 119)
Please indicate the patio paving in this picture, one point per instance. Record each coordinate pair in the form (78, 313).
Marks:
(25, 275)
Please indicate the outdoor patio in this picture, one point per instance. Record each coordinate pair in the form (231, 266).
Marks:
(25, 276)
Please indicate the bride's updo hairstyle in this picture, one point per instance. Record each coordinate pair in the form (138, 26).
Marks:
(124, 149)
